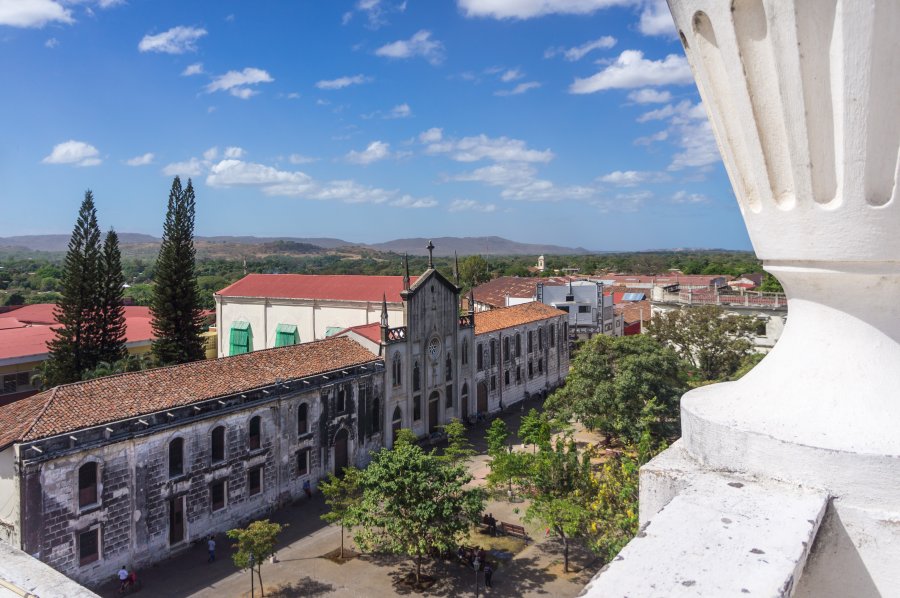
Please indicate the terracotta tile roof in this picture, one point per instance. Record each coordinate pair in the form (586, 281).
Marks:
(341, 287)
(517, 315)
(7, 323)
(494, 292)
(84, 404)
(632, 311)
(42, 313)
(370, 331)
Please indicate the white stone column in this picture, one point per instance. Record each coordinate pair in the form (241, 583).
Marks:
(804, 100)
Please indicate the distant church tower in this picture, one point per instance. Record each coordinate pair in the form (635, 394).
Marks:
(540, 264)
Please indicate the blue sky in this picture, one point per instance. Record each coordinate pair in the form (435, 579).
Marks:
(573, 122)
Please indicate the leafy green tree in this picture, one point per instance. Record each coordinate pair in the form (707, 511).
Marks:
(413, 504)
(129, 363)
(562, 486)
(15, 299)
(341, 495)
(458, 450)
(405, 436)
(507, 467)
(714, 343)
(535, 428)
(770, 284)
(253, 545)
(175, 306)
(497, 437)
(73, 348)
(473, 271)
(111, 306)
(620, 385)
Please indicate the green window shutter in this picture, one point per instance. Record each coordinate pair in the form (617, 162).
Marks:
(285, 335)
(241, 338)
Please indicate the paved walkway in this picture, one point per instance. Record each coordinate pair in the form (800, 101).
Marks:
(300, 571)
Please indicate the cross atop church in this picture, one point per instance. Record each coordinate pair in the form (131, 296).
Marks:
(430, 248)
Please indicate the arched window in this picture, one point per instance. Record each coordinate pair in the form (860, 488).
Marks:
(87, 484)
(396, 423)
(255, 436)
(417, 382)
(217, 444)
(464, 394)
(448, 375)
(176, 457)
(530, 341)
(493, 352)
(552, 335)
(518, 345)
(376, 415)
(479, 357)
(396, 370)
(541, 338)
(506, 348)
(465, 352)
(302, 419)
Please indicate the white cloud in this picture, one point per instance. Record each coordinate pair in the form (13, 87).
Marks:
(400, 111)
(211, 154)
(632, 70)
(685, 197)
(651, 139)
(377, 150)
(342, 82)
(420, 44)
(300, 159)
(527, 9)
(656, 19)
(142, 160)
(432, 135)
(192, 167)
(519, 182)
(498, 175)
(408, 201)
(233, 152)
(481, 147)
(578, 52)
(51, 43)
(176, 40)
(518, 89)
(73, 152)
(33, 13)
(683, 111)
(698, 146)
(511, 75)
(632, 178)
(470, 205)
(236, 82)
(233, 172)
(376, 12)
(193, 69)
(649, 96)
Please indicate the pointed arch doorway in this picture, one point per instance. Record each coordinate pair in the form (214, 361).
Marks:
(464, 403)
(341, 458)
(434, 401)
(482, 398)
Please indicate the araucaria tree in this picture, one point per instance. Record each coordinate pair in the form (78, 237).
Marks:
(622, 386)
(74, 346)
(176, 302)
(413, 504)
(111, 307)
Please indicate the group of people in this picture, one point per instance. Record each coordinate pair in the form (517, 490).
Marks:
(490, 522)
(127, 579)
(476, 558)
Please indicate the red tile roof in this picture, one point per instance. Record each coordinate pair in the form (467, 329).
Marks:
(7, 323)
(633, 311)
(494, 292)
(370, 331)
(318, 286)
(42, 313)
(72, 407)
(517, 315)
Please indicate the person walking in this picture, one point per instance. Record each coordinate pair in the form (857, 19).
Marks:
(488, 573)
(211, 546)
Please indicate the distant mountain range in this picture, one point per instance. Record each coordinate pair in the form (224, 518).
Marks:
(444, 246)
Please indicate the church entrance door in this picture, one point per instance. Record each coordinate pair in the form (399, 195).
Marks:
(464, 404)
(340, 452)
(434, 402)
(482, 398)
(176, 520)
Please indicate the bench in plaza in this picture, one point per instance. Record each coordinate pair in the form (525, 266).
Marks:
(510, 529)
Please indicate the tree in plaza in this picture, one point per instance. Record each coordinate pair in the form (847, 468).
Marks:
(621, 386)
(497, 437)
(535, 428)
(414, 504)
(253, 545)
(561, 485)
(473, 271)
(459, 449)
(341, 494)
(111, 306)
(711, 341)
(614, 508)
(176, 302)
(507, 467)
(73, 348)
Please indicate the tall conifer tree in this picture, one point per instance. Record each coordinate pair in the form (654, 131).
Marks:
(73, 348)
(176, 298)
(111, 315)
